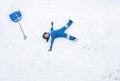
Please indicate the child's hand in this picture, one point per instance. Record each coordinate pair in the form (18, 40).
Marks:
(51, 23)
(50, 49)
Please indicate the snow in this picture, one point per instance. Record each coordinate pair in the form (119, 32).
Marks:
(94, 57)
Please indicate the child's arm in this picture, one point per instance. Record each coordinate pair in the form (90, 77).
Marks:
(51, 26)
(52, 41)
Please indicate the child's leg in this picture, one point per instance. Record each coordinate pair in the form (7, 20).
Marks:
(68, 23)
(66, 26)
(70, 37)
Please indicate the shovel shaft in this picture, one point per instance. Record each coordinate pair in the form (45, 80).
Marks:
(21, 29)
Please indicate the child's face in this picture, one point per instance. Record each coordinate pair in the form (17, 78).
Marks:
(46, 35)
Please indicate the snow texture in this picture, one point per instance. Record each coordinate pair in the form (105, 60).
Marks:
(94, 57)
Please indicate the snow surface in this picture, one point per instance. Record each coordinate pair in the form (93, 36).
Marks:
(94, 57)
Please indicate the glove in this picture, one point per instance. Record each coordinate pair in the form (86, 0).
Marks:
(50, 49)
(51, 23)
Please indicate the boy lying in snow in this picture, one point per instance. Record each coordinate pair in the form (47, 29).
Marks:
(53, 34)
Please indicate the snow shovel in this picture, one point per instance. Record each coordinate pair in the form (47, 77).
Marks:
(16, 17)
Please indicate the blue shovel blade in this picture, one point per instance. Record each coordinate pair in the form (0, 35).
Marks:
(16, 16)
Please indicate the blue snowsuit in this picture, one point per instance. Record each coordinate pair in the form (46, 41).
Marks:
(60, 33)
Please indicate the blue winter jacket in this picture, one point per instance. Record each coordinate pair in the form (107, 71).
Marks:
(60, 33)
